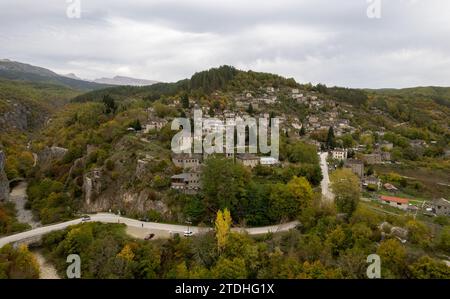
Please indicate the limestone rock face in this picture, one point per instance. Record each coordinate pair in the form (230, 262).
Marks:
(4, 183)
(49, 154)
(92, 186)
(98, 200)
(19, 117)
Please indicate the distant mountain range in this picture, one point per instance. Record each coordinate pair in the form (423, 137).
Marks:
(13, 70)
(117, 80)
(121, 80)
(73, 76)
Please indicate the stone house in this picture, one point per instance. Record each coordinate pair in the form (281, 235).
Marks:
(188, 182)
(371, 180)
(397, 202)
(339, 154)
(371, 159)
(357, 166)
(441, 207)
(155, 125)
(187, 160)
(248, 160)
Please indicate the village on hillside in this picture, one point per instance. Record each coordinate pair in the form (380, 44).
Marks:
(327, 126)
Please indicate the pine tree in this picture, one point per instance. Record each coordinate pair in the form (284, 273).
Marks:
(302, 130)
(110, 104)
(250, 109)
(185, 101)
(138, 125)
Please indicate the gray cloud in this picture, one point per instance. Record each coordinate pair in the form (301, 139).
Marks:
(333, 42)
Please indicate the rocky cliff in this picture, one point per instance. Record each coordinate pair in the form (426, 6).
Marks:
(21, 117)
(102, 193)
(4, 183)
(51, 154)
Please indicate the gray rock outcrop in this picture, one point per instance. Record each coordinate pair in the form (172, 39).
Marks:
(49, 154)
(393, 231)
(92, 186)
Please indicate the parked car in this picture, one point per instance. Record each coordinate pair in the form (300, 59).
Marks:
(188, 233)
(149, 237)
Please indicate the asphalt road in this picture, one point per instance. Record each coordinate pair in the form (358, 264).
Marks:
(111, 218)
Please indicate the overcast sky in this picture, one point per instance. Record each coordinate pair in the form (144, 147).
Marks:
(333, 42)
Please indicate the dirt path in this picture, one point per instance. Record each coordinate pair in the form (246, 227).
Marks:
(47, 269)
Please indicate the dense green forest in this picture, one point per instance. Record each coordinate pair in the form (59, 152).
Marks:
(18, 263)
(441, 95)
(224, 78)
(37, 96)
(31, 104)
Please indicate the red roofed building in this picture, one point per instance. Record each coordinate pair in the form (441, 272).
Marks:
(397, 202)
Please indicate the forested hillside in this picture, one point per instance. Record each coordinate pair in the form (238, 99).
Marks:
(25, 107)
(109, 150)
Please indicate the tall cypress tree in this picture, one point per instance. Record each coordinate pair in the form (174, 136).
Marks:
(302, 130)
(330, 138)
(250, 109)
(185, 100)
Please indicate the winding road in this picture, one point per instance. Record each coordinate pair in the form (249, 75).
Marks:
(112, 218)
(168, 228)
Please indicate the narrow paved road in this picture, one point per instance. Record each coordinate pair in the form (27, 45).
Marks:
(325, 183)
(111, 218)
